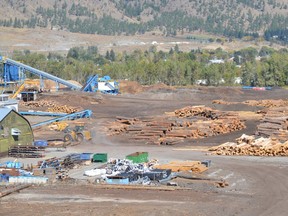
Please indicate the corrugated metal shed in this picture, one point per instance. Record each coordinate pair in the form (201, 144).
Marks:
(14, 130)
(4, 112)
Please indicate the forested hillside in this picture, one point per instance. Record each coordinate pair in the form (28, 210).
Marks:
(231, 18)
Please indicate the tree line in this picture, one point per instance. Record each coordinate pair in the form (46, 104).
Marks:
(265, 67)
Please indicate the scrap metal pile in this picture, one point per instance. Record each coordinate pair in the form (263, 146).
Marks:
(57, 168)
(123, 171)
(189, 122)
(14, 173)
(51, 106)
(252, 146)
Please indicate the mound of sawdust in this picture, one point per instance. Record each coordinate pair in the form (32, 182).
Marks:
(130, 87)
(133, 87)
(52, 86)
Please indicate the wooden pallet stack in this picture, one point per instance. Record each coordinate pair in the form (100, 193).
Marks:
(251, 146)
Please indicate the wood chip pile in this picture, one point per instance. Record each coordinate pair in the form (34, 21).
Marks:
(189, 122)
(274, 123)
(183, 166)
(252, 146)
(51, 106)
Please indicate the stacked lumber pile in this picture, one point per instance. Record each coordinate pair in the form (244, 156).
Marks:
(183, 166)
(249, 145)
(173, 129)
(51, 106)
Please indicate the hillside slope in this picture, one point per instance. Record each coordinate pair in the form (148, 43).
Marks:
(232, 18)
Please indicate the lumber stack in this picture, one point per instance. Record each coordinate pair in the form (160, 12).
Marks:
(251, 146)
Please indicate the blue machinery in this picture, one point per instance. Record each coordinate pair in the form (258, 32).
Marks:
(59, 116)
(15, 72)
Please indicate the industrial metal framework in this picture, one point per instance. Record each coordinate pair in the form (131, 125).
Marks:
(14, 71)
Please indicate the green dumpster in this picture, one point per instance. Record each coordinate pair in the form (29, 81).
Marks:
(138, 157)
(100, 157)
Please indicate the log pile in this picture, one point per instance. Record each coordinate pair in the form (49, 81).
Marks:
(63, 109)
(263, 103)
(274, 124)
(251, 146)
(267, 103)
(172, 130)
(51, 106)
(191, 111)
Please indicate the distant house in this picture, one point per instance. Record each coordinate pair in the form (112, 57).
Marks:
(216, 61)
(14, 130)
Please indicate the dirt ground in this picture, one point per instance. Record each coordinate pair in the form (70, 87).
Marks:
(257, 185)
(45, 40)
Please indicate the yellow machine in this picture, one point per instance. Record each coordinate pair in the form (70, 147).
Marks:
(77, 134)
(34, 84)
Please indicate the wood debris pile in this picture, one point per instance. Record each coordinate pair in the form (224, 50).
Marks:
(171, 130)
(51, 106)
(263, 103)
(251, 146)
(274, 123)
(183, 166)
(267, 103)
(223, 102)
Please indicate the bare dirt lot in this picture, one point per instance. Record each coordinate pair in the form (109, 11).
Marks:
(45, 40)
(257, 185)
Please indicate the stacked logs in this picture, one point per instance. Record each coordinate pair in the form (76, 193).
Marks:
(41, 103)
(274, 123)
(191, 111)
(63, 109)
(251, 146)
(172, 130)
(267, 103)
(263, 103)
(51, 106)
